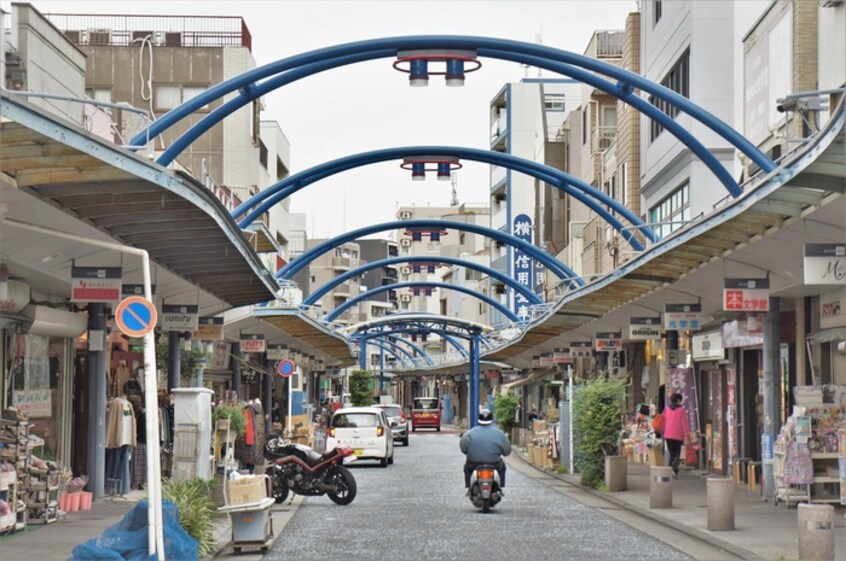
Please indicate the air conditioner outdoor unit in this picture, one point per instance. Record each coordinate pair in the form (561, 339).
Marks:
(405, 271)
(405, 298)
(405, 242)
(405, 215)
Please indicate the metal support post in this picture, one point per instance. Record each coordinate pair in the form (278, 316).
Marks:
(474, 380)
(382, 370)
(97, 377)
(266, 393)
(174, 360)
(362, 354)
(236, 371)
(772, 399)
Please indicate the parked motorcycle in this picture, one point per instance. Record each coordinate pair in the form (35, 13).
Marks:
(298, 468)
(485, 491)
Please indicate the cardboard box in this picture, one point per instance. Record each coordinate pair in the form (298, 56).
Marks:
(539, 425)
(656, 456)
(249, 489)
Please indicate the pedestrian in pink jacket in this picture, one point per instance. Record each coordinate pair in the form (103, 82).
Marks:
(676, 429)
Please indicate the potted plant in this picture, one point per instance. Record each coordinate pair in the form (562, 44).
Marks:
(505, 411)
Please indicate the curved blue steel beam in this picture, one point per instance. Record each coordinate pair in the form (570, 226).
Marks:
(421, 284)
(397, 348)
(446, 338)
(558, 268)
(320, 292)
(571, 185)
(416, 348)
(389, 350)
(395, 340)
(483, 46)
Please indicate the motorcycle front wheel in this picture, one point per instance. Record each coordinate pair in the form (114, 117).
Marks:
(343, 480)
(280, 488)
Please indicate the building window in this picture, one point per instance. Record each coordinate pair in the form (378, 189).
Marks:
(678, 80)
(672, 212)
(554, 102)
(657, 11)
(99, 94)
(168, 97)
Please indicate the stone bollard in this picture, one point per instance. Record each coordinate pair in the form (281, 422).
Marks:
(616, 473)
(816, 532)
(720, 498)
(660, 487)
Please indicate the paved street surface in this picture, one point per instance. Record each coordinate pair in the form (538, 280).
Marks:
(416, 509)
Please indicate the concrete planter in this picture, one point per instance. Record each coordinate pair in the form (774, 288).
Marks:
(616, 473)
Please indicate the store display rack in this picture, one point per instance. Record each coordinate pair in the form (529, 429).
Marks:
(14, 485)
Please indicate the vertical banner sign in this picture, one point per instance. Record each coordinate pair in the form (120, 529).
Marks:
(536, 361)
(253, 343)
(277, 352)
(562, 356)
(825, 263)
(128, 290)
(680, 380)
(746, 295)
(644, 328)
(581, 349)
(209, 329)
(96, 284)
(524, 269)
(179, 318)
(609, 342)
(682, 317)
(4, 281)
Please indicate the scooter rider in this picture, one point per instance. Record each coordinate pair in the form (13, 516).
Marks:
(484, 444)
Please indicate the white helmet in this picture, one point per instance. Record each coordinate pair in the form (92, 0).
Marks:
(485, 417)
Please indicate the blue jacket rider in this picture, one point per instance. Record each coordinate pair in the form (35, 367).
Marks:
(484, 444)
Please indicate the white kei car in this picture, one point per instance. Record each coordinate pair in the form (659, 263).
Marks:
(364, 429)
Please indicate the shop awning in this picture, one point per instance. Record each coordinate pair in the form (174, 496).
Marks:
(828, 335)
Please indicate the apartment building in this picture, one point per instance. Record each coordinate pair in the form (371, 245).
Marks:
(159, 62)
(327, 267)
(527, 120)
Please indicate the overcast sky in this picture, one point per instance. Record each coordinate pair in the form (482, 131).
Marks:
(369, 106)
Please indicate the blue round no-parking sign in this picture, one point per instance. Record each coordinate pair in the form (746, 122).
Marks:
(286, 368)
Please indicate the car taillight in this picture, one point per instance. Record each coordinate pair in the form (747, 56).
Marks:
(380, 431)
(485, 473)
(332, 432)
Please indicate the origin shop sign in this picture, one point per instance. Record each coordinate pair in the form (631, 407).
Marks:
(644, 328)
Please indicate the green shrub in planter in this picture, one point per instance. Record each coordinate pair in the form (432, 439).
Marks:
(597, 422)
(234, 413)
(361, 388)
(505, 410)
(193, 498)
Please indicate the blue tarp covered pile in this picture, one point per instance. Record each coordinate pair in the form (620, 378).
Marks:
(127, 540)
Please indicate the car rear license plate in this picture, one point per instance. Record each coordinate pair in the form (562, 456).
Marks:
(358, 451)
(424, 414)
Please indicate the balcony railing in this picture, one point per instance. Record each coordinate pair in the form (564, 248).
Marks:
(344, 262)
(602, 138)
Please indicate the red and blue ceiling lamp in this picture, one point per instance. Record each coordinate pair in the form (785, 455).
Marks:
(417, 235)
(419, 165)
(455, 63)
(418, 267)
(424, 291)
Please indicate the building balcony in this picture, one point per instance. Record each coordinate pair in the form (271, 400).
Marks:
(500, 265)
(602, 138)
(498, 176)
(344, 263)
(342, 290)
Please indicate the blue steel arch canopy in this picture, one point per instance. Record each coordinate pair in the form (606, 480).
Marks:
(458, 325)
(557, 60)
(594, 198)
(423, 284)
(315, 296)
(558, 268)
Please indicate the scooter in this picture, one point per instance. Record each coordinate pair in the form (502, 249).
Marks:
(298, 468)
(485, 491)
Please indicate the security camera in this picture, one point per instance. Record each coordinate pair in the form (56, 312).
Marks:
(786, 104)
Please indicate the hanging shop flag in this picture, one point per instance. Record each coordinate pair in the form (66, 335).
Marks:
(581, 349)
(682, 317)
(546, 359)
(128, 290)
(608, 341)
(96, 284)
(644, 328)
(209, 329)
(254, 343)
(277, 352)
(524, 268)
(746, 295)
(562, 356)
(833, 309)
(4, 281)
(179, 318)
(825, 263)
(708, 346)
(220, 355)
(680, 380)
